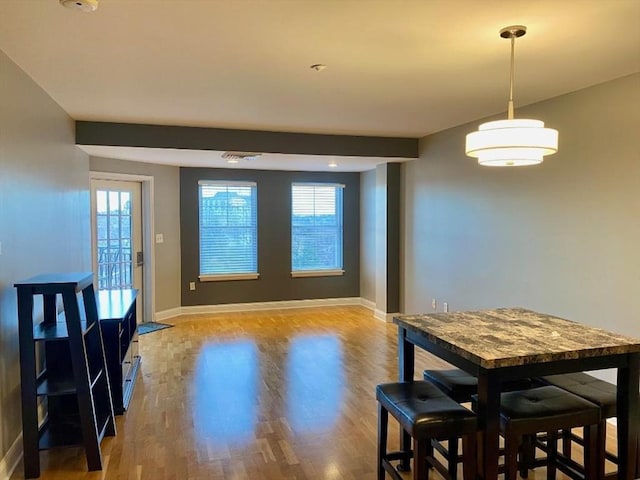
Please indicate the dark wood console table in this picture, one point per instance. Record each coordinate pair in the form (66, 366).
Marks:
(513, 343)
(117, 314)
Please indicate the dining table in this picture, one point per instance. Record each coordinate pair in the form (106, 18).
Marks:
(506, 344)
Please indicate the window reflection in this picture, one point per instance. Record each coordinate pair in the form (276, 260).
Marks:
(315, 382)
(225, 396)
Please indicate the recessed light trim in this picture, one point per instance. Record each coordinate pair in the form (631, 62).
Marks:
(86, 6)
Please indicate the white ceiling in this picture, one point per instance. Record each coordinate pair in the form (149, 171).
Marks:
(394, 68)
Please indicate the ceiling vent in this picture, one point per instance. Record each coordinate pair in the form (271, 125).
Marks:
(240, 155)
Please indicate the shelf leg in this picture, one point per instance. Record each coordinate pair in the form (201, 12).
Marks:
(28, 383)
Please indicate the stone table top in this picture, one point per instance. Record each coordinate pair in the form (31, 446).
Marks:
(507, 337)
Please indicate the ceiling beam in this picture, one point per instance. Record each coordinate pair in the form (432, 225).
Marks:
(222, 139)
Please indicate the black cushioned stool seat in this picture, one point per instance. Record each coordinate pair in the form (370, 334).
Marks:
(588, 387)
(596, 391)
(547, 409)
(456, 383)
(424, 412)
(461, 386)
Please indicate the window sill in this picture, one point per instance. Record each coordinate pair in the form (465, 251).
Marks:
(228, 276)
(317, 273)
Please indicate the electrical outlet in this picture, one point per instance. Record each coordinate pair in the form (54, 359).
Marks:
(192, 285)
(159, 238)
(434, 304)
(445, 307)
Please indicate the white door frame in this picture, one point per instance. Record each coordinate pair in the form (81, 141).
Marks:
(148, 236)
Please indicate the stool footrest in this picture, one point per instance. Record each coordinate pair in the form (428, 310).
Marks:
(566, 465)
(612, 457)
(399, 455)
(391, 470)
(442, 470)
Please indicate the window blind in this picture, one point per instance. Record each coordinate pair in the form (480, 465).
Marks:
(228, 230)
(316, 227)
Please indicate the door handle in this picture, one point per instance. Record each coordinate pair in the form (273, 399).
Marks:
(139, 259)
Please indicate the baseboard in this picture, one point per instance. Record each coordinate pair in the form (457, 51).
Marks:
(368, 304)
(255, 306)
(280, 305)
(378, 314)
(166, 314)
(10, 461)
(384, 316)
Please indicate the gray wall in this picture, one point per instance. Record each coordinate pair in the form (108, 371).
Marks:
(166, 212)
(274, 240)
(368, 235)
(44, 213)
(561, 237)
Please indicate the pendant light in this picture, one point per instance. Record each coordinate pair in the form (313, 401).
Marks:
(512, 142)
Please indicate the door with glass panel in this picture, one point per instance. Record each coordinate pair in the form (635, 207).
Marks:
(117, 236)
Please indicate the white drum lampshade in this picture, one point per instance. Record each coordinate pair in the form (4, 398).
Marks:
(510, 143)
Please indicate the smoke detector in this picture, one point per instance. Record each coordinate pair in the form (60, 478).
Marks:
(235, 157)
(82, 5)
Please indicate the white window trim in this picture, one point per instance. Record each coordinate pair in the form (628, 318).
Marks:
(225, 182)
(321, 273)
(224, 277)
(319, 184)
(317, 273)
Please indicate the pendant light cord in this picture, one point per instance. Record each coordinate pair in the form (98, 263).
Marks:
(511, 78)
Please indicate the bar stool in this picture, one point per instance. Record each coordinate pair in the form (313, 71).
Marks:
(425, 413)
(457, 384)
(596, 391)
(461, 387)
(547, 409)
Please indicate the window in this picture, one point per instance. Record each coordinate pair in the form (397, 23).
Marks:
(228, 230)
(316, 229)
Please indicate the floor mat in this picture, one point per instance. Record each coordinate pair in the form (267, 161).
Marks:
(149, 327)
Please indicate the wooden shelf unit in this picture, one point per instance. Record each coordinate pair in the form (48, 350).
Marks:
(117, 314)
(71, 382)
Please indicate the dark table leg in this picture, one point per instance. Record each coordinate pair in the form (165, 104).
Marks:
(628, 419)
(489, 424)
(406, 365)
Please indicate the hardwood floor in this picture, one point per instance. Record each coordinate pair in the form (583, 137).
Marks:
(286, 394)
